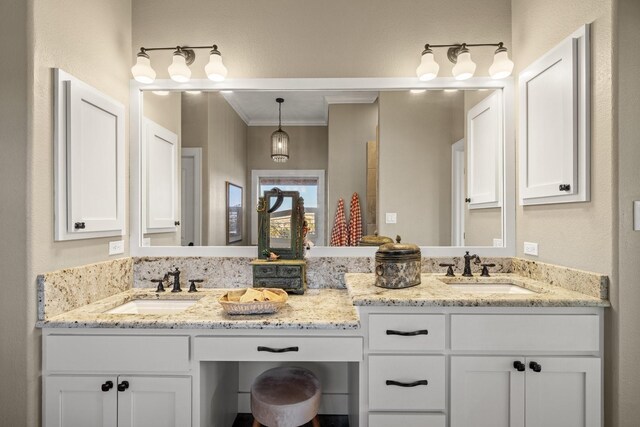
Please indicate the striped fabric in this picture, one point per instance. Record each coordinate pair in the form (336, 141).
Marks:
(355, 221)
(339, 235)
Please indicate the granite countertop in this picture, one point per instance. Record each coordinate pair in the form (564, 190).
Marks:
(434, 292)
(316, 309)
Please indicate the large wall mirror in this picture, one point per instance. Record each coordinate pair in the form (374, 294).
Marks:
(429, 164)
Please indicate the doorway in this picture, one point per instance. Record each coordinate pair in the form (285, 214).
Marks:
(191, 197)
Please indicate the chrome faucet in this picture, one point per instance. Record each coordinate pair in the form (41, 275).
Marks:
(467, 263)
(176, 280)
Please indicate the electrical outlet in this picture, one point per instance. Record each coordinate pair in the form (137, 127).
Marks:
(636, 215)
(497, 243)
(116, 247)
(530, 248)
(391, 218)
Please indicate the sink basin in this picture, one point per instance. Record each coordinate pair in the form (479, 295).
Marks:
(490, 288)
(142, 306)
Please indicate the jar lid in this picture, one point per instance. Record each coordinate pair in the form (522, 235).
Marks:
(398, 248)
(375, 240)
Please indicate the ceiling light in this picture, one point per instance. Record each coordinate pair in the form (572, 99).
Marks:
(428, 68)
(193, 92)
(464, 67)
(280, 139)
(226, 91)
(502, 66)
(418, 90)
(183, 57)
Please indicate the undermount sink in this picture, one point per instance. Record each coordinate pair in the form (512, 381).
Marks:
(490, 288)
(142, 306)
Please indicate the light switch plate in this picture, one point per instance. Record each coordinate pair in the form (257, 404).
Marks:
(530, 248)
(116, 247)
(636, 215)
(391, 217)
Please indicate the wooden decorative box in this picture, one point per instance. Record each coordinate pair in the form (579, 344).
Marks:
(288, 274)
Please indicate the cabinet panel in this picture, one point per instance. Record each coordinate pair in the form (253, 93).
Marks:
(407, 420)
(385, 396)
(487, 392)
(419, 332)
(565, 393)
(78, 401)
(154, 402)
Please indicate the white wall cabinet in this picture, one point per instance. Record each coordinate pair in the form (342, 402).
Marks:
(484, 153)
(104, 401)
(89, 161)
(554, 124)
(491, 391)
(160, 179)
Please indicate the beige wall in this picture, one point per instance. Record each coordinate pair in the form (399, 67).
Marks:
(415, 165)
(166, 111)
(627, 295)
(18, 368)
(227, 160)
(481, 226)
(350, 127)
(195, 134)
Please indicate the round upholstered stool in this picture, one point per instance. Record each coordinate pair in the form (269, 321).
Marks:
(285, 397)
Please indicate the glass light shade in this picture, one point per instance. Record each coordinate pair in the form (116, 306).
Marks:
(502, 66)
(280, 146)
(428, 68)
(465, 67)
(179, 70)
(142, 70)
(215, 69)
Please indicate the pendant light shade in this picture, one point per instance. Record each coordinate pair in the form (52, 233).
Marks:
(215, 69)
(502, 66)
(464, 67)
(142, 70)
(179, 71)
(428, 68)
(280, 139)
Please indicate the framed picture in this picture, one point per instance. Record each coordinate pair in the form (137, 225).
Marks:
(234, 213)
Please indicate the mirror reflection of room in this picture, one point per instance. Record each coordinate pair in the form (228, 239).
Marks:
(426, 165)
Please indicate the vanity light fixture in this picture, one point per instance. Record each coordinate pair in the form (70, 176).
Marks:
(280, 139)
(179, 70)
(460, 55)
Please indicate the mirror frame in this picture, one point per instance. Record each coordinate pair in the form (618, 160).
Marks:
(347, 84)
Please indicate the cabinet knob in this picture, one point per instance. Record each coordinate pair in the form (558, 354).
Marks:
(519, 366)
(123, 386)
(176, 223)
(108, 385)
(564, 187)
(79, 225)
(468, 200)
(535, 366)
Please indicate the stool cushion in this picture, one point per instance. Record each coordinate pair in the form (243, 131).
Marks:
(285, 397)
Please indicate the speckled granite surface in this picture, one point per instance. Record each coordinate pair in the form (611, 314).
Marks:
(316, 309)
(585, 282)
(433, 292)
(64, 290)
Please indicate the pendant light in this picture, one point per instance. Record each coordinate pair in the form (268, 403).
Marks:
(502, 66)
(279, 139)
(464, 67)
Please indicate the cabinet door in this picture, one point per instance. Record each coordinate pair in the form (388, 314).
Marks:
(154, 402)
(484, 158)
(565, 393)
(160, 177)
(487, 392)
(79, 401)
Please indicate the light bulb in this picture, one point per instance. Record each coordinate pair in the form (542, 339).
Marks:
(179, 70)
(215, 69)
(502, 66)
(464, 67)
(142, 70)
(428, 68)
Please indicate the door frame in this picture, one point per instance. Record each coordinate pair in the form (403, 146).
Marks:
(196, 154)
(457, 193)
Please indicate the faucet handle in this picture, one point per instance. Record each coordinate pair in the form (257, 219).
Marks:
(192, 285)
(160, 283)
(485, 269)
(449, 268)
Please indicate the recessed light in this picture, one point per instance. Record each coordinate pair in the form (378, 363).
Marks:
(418, 90)
(161, 92)
(226, 91)
(194, 92)
(451, 90)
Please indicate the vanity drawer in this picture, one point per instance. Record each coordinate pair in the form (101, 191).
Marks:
(407, 420)
(265, 270)
(282, 283)
(289, 271)
(262, 348)
(406, 370)
(116, 353)
(398, 332)
(520, 332)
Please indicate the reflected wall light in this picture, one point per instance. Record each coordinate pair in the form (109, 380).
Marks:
(465, 68)
(179, 70)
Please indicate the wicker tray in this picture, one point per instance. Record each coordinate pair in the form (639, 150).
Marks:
(252, 307)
